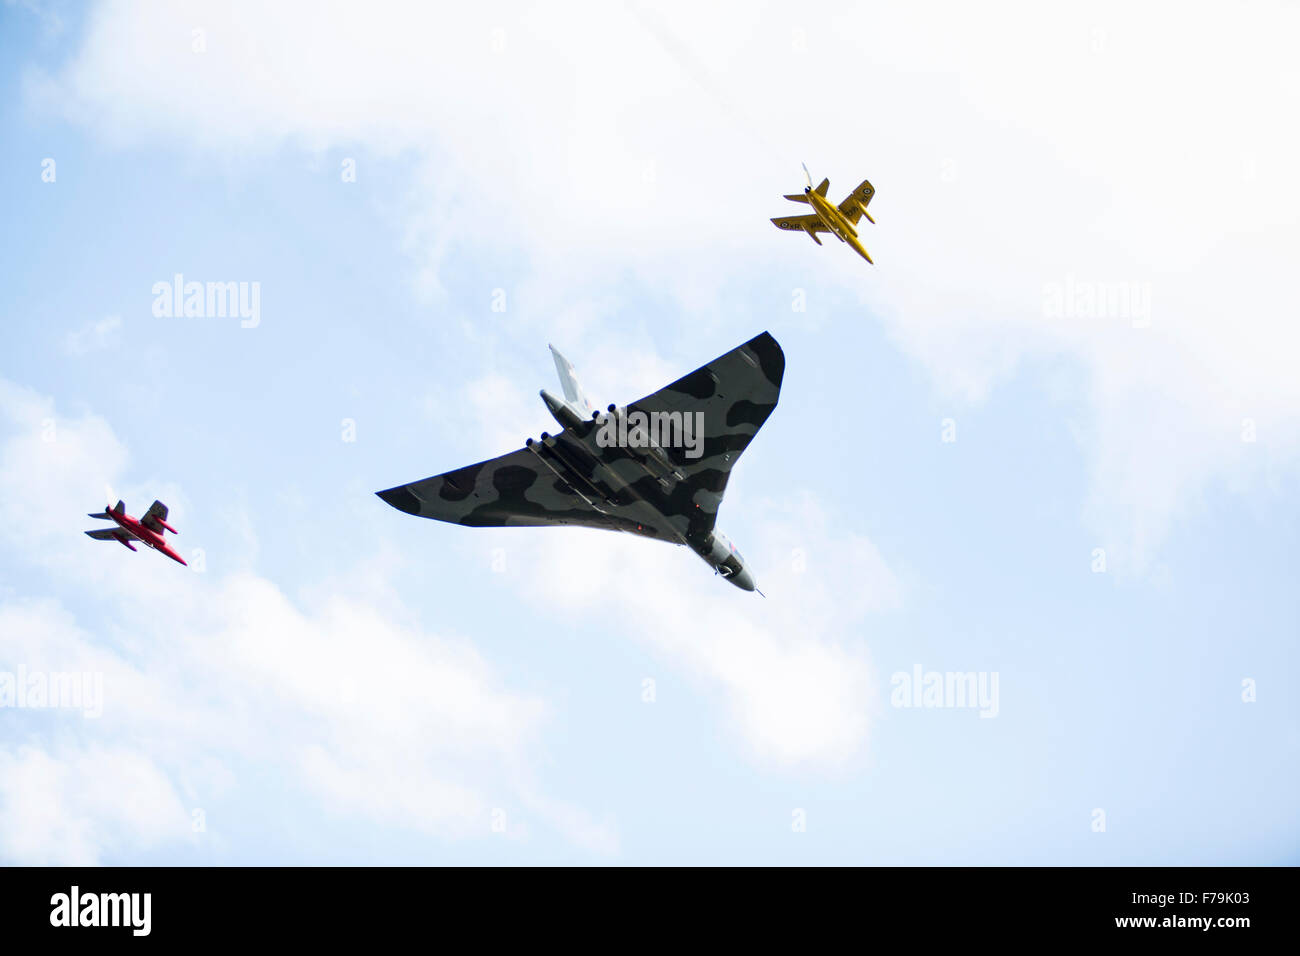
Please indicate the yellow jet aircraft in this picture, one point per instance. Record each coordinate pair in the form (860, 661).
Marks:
(840, 221)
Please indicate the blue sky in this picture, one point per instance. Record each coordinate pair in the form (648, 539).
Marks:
(340, 683)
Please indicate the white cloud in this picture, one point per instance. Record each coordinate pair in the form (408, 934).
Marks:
(70, 806)
(375, 717)
(95, 336)
(47, 462)
(794, 668)
(493, 410)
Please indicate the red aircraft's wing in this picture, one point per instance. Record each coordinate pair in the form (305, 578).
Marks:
(112, 534)
(155, 519)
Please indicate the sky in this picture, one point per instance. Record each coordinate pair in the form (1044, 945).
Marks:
(1047, 448)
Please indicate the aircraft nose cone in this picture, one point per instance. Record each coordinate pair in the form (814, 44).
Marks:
(743, 580)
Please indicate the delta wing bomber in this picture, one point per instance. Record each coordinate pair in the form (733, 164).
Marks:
(657, 467)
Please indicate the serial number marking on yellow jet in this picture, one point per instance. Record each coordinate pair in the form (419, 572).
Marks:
(840, 221)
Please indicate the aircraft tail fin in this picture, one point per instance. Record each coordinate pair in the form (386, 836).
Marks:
(798, 197)
(103, 514)
(573, 392)
(825, 185)
(120, 507)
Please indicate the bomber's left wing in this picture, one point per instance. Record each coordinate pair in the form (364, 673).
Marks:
(525, 488)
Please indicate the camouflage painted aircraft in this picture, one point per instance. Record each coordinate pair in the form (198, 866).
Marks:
(148, 530)
(840, 221)
(657, 468)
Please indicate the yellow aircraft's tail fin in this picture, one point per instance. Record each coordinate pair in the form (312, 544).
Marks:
(799, 197)
(821, 190)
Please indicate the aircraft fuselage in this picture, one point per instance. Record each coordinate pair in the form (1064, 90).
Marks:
(720, 554)
(146, 536)
(830, 215)
(835, 221)
(611, 486)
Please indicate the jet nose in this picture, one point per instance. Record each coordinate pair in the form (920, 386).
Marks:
(743, 580)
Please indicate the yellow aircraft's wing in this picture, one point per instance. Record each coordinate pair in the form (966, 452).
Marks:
(801, 223)
(855, 203)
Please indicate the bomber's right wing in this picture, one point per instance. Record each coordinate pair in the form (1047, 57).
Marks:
(521, 489)
(733, 396)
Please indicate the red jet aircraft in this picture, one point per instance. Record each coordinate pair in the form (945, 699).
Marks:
(148, 530)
